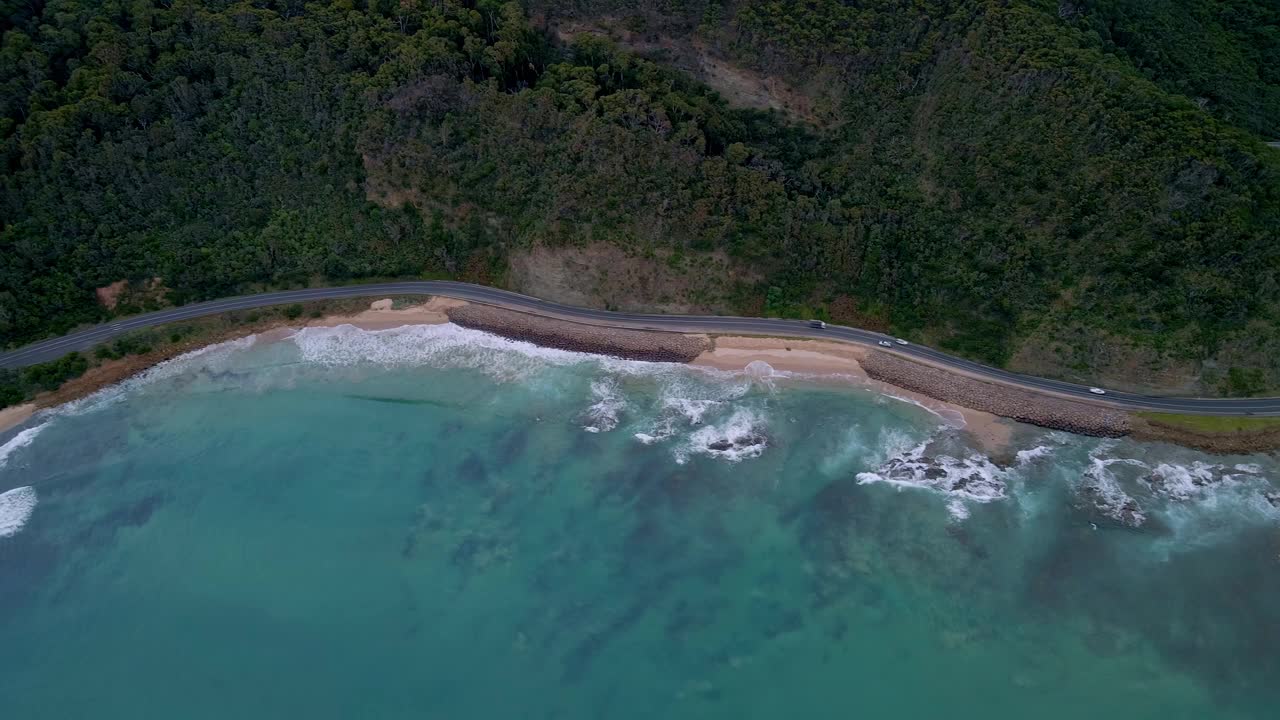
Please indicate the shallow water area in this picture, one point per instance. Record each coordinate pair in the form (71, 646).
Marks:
(435, 522)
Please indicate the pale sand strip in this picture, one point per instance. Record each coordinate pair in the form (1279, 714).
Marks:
(836, 362)
(14, 415)
(840, 362)
(380, 316)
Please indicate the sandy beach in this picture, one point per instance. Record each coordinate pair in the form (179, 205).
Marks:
(15, 415)
(835, 362)
(382, 316)
(841, 362)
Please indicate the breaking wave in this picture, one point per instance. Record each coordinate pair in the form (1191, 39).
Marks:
(211, 359)
(442, 346)
(16, 506)
(21, 440)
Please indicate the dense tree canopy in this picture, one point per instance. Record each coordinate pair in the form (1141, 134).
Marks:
(987, 174)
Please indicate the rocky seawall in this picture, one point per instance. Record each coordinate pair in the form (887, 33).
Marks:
(565, 335)
(1003, 400)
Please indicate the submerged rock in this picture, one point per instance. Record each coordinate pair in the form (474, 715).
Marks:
(1115, 504)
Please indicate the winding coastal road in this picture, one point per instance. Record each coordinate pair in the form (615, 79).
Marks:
(85, 339)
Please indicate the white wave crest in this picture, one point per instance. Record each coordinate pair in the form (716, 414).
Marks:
(444, 345)
(16, 506)
(21, 440)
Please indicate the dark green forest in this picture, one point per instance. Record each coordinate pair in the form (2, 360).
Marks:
(1060, 187)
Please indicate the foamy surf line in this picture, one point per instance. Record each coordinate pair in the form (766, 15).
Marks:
(207, 356)
(950, 417)
(16, 507)
(21, 440)
(448, 345)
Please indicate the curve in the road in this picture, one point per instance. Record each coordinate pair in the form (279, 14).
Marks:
(84, 339)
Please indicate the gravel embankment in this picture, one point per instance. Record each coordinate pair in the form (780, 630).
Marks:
(1003, 400)
(565, 335)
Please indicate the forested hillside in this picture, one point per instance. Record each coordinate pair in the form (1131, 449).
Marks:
(1078, 189)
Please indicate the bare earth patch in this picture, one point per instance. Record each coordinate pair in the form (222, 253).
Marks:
(109, 295)
(738, 85)
(151, 292)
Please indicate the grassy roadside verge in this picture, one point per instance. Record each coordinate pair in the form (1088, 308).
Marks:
(79, 373)
(1227, 435)
(1212, 423)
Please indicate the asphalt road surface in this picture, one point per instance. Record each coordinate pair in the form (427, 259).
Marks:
(85, 339)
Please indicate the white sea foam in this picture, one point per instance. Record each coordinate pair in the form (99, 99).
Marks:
(852, 445)
(603, 414)
(1100, 487)
(1027, 456)
(686, 399)
(21, 440)
(740, 437)
(762, 370)
(444, 345)
(950, 417)
(212, 358)
(957, 510)
(1182, 482)
(16, 506)
(973, 478)
(893, 443)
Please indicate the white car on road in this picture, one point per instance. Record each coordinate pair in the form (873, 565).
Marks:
(900, 341)
(886, 343)
(1097, 391)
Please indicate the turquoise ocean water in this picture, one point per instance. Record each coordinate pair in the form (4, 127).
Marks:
(435, 523)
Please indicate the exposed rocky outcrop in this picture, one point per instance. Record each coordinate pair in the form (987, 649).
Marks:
(1003, 400)
(565, 335)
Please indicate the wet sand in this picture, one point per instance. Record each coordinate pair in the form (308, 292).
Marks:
(15, 415)
(841, 362)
